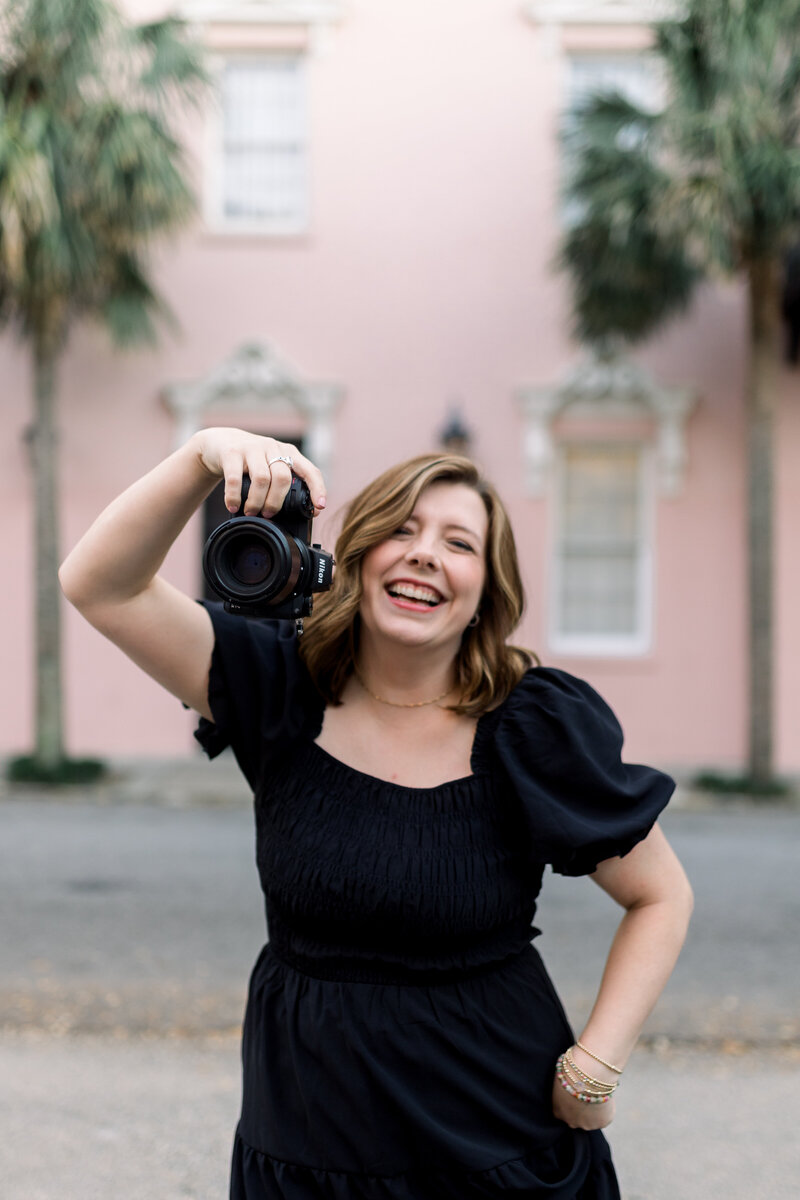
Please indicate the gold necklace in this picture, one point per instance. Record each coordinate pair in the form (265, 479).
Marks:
(396, 703)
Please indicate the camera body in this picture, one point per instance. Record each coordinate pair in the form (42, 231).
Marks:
(268, 568)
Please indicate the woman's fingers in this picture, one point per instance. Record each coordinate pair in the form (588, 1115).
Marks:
(270, 465)
(280, 481)
(283, 461)
(313, 477)
(232, 464)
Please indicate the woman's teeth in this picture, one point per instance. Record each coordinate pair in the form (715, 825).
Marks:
(422, 595)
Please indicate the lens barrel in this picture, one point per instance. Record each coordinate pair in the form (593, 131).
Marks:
(251, 561)
(267, 568)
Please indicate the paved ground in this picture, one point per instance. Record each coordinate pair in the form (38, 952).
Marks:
(690, 1125)
(128, 925)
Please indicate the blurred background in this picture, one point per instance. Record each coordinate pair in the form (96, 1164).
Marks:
(370, 271)
(559, 237)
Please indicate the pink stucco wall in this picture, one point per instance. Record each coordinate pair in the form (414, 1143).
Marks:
(426, 275)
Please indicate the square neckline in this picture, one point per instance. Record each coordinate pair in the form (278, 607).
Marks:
(474, 761)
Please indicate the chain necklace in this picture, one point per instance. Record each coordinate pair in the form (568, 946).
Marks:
(396, 703)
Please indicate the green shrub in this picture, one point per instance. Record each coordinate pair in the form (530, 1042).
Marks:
(26, 769)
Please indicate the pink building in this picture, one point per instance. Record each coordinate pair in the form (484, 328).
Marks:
(380, 195)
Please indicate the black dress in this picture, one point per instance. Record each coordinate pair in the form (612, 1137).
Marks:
(401, 1031)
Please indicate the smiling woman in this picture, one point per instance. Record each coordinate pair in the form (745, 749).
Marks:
(432, 567)
(412, 776)
(430, 522)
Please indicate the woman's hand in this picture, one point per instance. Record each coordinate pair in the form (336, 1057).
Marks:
(111, 576)
(577, 1113)
(232, 453)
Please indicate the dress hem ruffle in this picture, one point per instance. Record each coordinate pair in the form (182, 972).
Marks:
(539, 1174)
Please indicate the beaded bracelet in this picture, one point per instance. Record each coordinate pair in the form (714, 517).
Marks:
(584, 1097)
(598, 1086)
(587, 1085)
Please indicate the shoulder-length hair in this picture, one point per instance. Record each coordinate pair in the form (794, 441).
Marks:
(487, 669)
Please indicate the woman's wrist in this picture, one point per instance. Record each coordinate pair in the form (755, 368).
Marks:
(585, 1088)
(591, 1059)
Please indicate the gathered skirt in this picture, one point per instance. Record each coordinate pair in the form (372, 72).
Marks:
(384, 1091)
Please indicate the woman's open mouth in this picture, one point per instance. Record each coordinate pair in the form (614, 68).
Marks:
(417, 594)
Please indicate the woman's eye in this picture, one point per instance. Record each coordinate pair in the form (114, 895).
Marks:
(462, 545)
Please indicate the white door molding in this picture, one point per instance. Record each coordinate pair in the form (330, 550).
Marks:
(256, 381)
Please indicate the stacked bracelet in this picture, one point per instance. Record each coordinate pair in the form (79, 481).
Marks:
(579, 1084)
(597, 1058)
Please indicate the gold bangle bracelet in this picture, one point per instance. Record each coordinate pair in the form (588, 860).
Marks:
(599, 1085)
(597, 1058)
(579, 1077)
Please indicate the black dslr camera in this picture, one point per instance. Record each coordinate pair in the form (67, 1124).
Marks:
(267, 568)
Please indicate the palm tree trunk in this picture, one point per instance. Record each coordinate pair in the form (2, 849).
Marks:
(49, 746)
(764, 288)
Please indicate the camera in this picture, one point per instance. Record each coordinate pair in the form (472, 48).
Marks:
(268, 568)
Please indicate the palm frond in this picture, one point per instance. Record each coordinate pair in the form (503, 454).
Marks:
(708, 185)
(132, 307)
(173, 63)
(91, 170)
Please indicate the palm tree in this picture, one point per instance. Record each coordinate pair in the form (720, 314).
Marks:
(708, 186)
(90, 172)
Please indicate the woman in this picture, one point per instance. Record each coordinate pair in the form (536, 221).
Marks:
(412, 777)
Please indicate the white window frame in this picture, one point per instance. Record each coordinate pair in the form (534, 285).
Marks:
(638, 643)
(215, 218)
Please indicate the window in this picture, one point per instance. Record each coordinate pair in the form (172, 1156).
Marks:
(262, 146)
(634, 75)
(601, 595)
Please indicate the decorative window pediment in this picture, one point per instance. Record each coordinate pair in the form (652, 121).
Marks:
(260, 12)
(612, 389)
(600, 12)
(255, 381)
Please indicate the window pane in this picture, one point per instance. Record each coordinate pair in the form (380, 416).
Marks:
(264, 141)
(599, 545)
(636, 76)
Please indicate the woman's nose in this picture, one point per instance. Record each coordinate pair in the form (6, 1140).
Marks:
(422, 553)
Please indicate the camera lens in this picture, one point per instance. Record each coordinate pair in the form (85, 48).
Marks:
(249, 562)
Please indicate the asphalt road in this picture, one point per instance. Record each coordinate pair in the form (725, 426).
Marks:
(143, 917)
(128, 926)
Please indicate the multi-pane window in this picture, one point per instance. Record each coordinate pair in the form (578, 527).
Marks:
(634, 75)
(263, 168)
(601, 572)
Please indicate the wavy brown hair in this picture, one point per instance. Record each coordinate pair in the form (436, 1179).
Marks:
(487, 669)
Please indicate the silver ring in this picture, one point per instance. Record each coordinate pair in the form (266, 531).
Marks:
(282, 458)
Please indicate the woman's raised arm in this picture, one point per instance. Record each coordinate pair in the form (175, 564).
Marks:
(111, 574)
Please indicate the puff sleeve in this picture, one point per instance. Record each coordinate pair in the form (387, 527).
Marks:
(559, 746)
(259, 693)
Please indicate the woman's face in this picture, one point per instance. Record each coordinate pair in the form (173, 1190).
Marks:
(423, 585)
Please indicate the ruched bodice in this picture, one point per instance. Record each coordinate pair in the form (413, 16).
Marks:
(401, 1031)
(364, 879)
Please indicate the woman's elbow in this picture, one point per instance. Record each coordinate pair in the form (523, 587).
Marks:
(71, 583)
